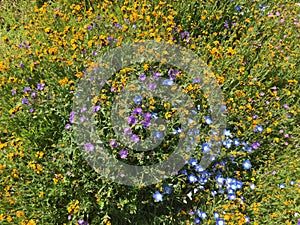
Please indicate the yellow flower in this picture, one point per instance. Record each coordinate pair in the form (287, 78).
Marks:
(231, 51)
(31, 222)
(20, 214)
(9, 219)
(48, 30)
(146, 66)
(64, 81)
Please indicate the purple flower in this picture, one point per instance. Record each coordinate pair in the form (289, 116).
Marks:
(96, 108)
(67, 126)
(72, 115)
(31, 110)
(145, 123)
(285, 106)
(22, 65)
(25, 101)
(27, 89)
(255, 145)
(147, 117)
(226, 25)
(127, 131)
(172, 73)
(89, 147)
(185, 34)
(82, 110)
(69, 217)
(152, 86)
(142, 77)
(135, 138)
(113, 143)
(156, 76)
(89, 28)
(137, 111)
(82, 222)
(13, 92)
(132, 120)
(196, 80)
(40, 87)
(69, 173)
(33, 95)
(95, 53)
(123, 154)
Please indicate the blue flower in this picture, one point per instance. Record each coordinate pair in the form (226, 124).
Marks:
(216, 215)
(197, 220)
(184, 172)
(223, 107)
(220, 221)
(138, 99)
(246, 164)
(158, 135)
(227, 133)
(199, 169)
(247, 219)
(238, 8)
(220, 180)
(236, 142)
(282, 185)
(206, 148)
(239, 184)
(258, 128)
(262, 7)
(231, 197)
(252, 186)
(227, 143)
(158, 197)
(208, 120)
(168, 82)
(178, 131)
(193, 162)
(167, 189)
(202, 215)
(154, 115)
(192, 178)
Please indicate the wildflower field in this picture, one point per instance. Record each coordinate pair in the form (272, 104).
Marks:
(250, 48)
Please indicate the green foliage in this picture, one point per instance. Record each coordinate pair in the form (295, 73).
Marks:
(45, 49)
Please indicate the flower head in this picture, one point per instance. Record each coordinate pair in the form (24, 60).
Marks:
(123, 154)
(89, 147)
(158, 197)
